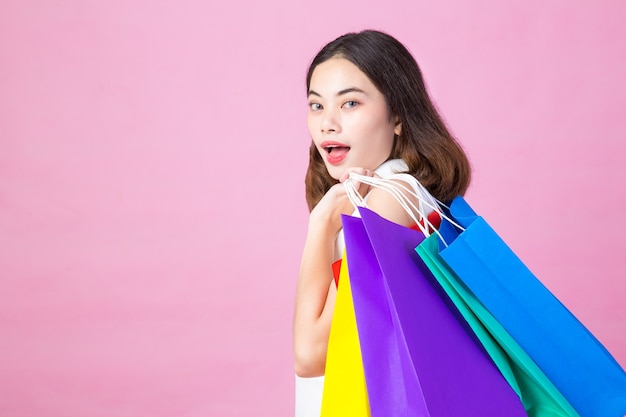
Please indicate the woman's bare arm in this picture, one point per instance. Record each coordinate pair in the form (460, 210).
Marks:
(315, 301)
(316, 292)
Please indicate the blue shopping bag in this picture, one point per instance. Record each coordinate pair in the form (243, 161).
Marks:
(569, 355)
(420, 357)
(539, 396)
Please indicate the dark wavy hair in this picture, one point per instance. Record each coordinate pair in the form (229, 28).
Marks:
(432, 154)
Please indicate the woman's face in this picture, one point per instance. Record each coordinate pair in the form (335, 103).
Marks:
(348, 118)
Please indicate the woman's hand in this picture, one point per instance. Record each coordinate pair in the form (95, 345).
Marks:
(327, 213)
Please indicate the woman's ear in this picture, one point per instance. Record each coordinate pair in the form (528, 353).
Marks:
(397, 130)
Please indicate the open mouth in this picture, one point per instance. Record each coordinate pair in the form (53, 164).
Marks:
(335, 151)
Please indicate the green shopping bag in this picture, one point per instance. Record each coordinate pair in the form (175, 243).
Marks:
(539, 396)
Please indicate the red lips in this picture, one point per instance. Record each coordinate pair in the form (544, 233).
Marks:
(335, 151)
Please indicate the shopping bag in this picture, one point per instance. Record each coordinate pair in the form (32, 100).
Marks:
(569, 355)
(386, 360)
(345, 392)
(539, 396)
(442, 363)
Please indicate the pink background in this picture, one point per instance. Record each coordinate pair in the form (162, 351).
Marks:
(152, 156)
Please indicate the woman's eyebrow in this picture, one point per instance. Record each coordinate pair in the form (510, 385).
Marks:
(351, 90)
(340, 93)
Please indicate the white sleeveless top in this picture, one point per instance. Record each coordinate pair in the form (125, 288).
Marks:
(309, 390)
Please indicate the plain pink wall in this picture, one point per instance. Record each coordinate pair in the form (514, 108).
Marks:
(151, 193)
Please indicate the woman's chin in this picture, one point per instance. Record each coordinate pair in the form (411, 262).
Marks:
(334, 171)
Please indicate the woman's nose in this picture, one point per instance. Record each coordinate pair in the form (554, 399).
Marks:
(330, 122)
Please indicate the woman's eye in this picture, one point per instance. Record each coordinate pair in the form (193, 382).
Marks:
(315, 106)
(350, 104)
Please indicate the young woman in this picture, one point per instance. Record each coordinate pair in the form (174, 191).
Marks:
(369, 113)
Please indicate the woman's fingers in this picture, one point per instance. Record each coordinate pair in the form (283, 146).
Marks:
(363, 189)
(356, 170)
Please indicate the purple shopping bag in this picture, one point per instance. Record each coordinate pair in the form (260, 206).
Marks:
(420, 357)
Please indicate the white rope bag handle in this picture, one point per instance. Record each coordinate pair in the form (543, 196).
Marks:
(401, 194)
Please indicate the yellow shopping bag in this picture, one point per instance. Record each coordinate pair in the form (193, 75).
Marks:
(345, 393)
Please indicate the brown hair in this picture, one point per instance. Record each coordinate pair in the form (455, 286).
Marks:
(432, 154)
